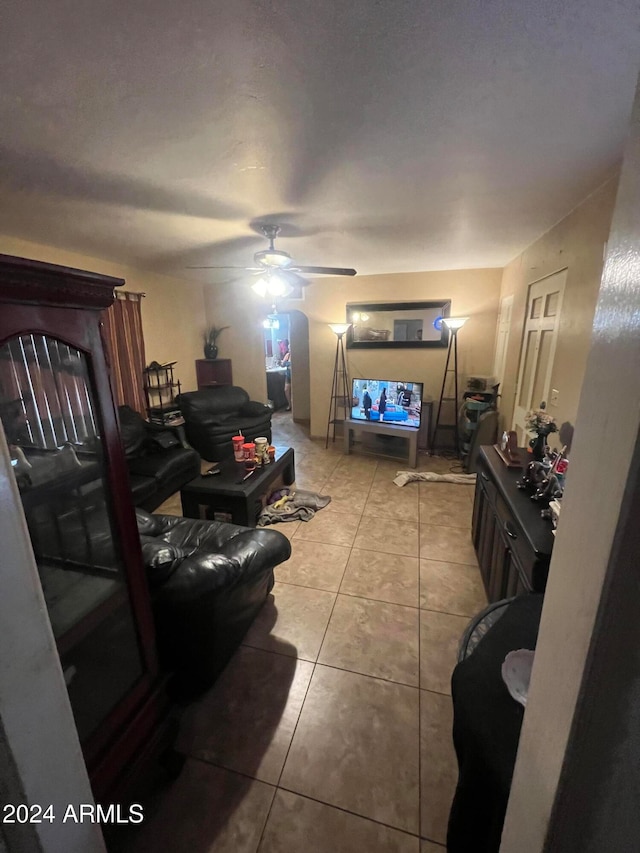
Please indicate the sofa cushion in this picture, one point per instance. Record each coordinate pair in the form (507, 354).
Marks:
(133, 429)
(217, 401)
(230, 426)
(142, 487)
(162, 466)
(162, 440)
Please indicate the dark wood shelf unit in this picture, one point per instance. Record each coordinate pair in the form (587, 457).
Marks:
(161, 391)
(512, 541)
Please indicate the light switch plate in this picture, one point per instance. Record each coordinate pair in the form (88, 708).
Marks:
(553, 399)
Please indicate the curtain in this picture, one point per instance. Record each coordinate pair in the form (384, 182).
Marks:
(125, 345)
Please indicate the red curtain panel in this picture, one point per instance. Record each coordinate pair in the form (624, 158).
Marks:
(125, 344)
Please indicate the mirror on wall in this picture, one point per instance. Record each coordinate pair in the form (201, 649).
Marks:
(400, 325)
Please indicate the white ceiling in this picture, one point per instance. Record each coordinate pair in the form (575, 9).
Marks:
(389, 135)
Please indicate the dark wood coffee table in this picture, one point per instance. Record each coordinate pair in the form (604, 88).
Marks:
(227, 497)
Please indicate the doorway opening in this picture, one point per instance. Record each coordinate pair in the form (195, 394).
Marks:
(286, 352)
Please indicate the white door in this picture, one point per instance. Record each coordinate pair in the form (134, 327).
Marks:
(502, 338)
(538, 348)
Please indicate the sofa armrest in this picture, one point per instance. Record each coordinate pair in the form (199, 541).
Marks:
(199, 575)
(253, 409)
(156, 430)
(161, 559)
(148, 525)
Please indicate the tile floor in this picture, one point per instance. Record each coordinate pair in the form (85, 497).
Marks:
(330, 729)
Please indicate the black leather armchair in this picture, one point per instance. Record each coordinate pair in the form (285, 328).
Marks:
(212, 416)
(208, 581)
(159, 459)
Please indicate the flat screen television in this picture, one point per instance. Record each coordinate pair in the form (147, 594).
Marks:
(387, 401)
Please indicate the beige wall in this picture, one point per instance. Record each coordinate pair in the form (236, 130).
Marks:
(472, 292)
(176, 311)
(576, 243)
(595, 505)
(173, 313)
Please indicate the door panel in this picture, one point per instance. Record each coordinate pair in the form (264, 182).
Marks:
(539, 341)
(542, 366)
(502, 338)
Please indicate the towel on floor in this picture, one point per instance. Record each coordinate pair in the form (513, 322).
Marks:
(404, 477)
(300, 505)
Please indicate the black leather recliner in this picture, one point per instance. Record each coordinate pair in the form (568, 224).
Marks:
(213, 416)
(208, 581)
(159, 460)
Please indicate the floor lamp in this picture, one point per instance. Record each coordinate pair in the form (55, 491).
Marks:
(340, 391)
(453, 324)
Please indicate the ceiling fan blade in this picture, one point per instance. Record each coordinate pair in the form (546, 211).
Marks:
(247, 269)
(323, 270)
(294, 279)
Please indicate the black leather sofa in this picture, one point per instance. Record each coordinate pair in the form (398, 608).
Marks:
(214, 415)
(159, 460)
(208, 581)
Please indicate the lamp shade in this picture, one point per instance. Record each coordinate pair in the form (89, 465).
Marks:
(339, 328)
(454, 323)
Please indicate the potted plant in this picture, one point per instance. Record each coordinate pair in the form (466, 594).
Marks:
(210, 336)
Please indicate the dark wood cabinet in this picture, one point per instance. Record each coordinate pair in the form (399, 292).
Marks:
(512, 542)
(60, 422)
(210, 372)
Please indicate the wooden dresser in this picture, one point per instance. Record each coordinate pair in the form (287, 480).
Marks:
(512, 542)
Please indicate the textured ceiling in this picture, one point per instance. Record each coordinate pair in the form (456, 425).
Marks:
(389, 135)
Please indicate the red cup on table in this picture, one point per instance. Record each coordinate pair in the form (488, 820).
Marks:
(238, 452)
(249, 450)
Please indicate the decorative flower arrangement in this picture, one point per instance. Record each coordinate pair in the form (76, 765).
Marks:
(212, 334)
(540, 421)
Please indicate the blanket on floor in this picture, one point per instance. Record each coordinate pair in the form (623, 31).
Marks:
(292, 505)
(404, 477)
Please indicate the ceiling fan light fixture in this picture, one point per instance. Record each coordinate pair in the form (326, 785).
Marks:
(260, 287)
(273, 258)
(271, 285)
(278, 286)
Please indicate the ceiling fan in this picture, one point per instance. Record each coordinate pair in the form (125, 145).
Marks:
(277, 270)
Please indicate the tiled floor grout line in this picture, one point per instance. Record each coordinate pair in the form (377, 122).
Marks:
(295, 728)
(278, 787)
(362, 515)
(350, 812)
(377, 600)
(334, 475)
(315, 663)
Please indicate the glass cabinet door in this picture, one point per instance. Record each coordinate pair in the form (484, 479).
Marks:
(53, 429)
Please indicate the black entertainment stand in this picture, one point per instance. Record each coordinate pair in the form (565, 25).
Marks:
(354, 425)
(512, 542)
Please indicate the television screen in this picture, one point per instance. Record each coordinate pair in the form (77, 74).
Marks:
(387, 401)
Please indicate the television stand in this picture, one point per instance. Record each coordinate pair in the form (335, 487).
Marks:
(391, 429)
